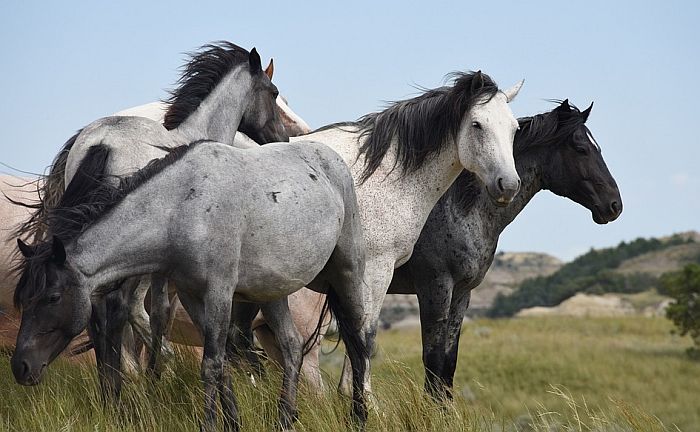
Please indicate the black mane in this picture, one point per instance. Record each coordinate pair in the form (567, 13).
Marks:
(88, 197)
(541, 130)
(547, 128)
(200, 76)
(423, 125)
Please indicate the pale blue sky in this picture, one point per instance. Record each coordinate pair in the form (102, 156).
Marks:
(65, 64)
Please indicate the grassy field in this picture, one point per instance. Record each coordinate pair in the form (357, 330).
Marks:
(525, 374)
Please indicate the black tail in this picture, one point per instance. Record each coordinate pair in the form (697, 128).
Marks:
(309, 343)
(50, 189)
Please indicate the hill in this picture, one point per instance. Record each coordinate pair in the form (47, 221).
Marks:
(627, 268)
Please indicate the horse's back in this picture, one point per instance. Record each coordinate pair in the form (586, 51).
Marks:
(282, 205)
(133, 141)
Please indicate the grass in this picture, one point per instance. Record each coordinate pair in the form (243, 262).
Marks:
(540, 374)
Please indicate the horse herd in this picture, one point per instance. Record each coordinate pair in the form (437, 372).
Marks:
(181, 202)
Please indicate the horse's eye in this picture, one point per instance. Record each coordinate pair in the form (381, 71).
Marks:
(476, 125)
(54, 298)
(580, 150)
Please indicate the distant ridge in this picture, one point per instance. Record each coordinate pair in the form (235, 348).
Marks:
(629, 267)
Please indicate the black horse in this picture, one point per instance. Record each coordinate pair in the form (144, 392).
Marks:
(554, 151)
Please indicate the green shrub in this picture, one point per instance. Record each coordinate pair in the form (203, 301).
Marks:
(684, 287)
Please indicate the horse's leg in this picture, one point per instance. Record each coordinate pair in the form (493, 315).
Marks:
(460, 303)
(240, 347)
(116, 317)
(434, 301)
(158, 319)
(138, 318)
(377, 277)
(96, 331)
(348, 298)
(131, 363)
(212, 315)
(310, 369)
(174, 303)
(289, 340)
(307, 308)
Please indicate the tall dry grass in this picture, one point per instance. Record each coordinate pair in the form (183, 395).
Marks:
(554, 374)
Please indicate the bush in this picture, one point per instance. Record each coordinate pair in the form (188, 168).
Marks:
(684, 287)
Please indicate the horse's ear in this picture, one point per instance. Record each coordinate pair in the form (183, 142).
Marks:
(254, 59)
(270, 69)
(27, 251)
(477, 81)
(587, 112)
(512, 92)
(58, 251)
(564, 106)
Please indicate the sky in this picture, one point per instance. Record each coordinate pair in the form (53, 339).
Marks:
(65, 64)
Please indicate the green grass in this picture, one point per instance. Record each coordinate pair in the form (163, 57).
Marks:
(543, 374)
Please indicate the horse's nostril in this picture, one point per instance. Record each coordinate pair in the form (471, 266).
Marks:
(615, 206)
(500, 184)
(25, 369)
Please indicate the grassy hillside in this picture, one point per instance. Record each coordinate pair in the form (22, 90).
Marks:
(627, 268)
(624, 374)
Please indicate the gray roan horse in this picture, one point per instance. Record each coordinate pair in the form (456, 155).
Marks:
(553, 151)
(222, 223)
(222, 89)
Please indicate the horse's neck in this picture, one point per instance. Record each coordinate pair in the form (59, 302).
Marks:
(495, 218)
(123, 243)
(220, 114)
(424, 186)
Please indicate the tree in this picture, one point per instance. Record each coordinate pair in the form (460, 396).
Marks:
(684, 287)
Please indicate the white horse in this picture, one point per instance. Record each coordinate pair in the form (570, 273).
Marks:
(404, 158)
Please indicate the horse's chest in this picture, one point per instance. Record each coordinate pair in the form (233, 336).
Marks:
(470, 249)
(391, 222)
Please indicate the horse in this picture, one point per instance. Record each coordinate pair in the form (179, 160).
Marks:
(222, 89)
(305, 304)
(12, 216)
(223, 223)
(404, 158)
(553, 151)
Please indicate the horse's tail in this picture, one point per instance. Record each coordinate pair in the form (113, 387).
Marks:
(316, 334)
(50, 188)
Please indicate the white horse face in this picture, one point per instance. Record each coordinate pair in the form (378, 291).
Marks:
(485, 145)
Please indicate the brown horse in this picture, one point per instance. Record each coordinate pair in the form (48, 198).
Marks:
(11, 216)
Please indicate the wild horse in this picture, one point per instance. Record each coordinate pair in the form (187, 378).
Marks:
(553, 151)
(222, 89)
(222, 223)
(405, 157)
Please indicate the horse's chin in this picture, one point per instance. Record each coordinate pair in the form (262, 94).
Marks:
(498, 201)
(34, 379)
(600, 219)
